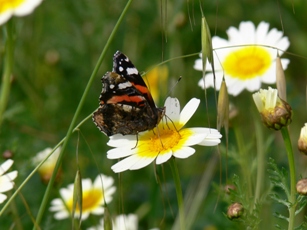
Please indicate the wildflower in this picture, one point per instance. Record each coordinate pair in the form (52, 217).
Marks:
(301, 187)
(94, 196)
(165, 141)
(235, 211)
(8, 8)
(275, 113)
(46, 169)
(127, 222)
(6, 180)
(302, 141)
(245, 58)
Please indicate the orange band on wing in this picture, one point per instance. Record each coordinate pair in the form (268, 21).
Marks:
(119, 99)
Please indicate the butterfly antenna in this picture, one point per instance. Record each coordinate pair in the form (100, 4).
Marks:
(172, 89)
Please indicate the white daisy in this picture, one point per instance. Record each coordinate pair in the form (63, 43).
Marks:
(243, 59)
(121, 222)
(6, 180)
(94, 196)
(165, 141)
(46, 169)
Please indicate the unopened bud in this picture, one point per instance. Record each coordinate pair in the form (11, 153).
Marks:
(235, 211)
(275, 112)
(302, 141)
(301, 187)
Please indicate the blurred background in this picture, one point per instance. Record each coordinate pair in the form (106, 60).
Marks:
(57, 47)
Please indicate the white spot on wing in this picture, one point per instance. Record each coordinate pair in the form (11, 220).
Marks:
(124, 85)
(127, 108)
(112, 86)
(121, 69)
(132, 71)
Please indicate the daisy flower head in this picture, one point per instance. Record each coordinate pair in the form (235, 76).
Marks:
(127, 222)
(246, 59)
(8, 8)
(46, 169)
(94, 196)
(168, 139)
(6, 180)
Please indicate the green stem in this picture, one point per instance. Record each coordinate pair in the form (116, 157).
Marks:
(292, 198)
(260, 162)
(74, 119)
(8, 67)
(175, 173)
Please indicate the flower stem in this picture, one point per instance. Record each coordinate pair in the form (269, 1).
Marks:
(74, 119)
(175, 173)
(8, 67)
(260, 162)
(292, 198)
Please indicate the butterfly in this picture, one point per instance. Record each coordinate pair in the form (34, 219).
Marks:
(126, 105)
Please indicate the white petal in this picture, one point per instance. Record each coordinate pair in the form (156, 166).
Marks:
(172, 108)
(184, 152)
(98, 211)
(118, 140)
(27, 7)
(6, 186)
(5, 166)
(61, 215)
(142, 162)
(85, 215)
(87, 184)
(212, 138)
(197, 135)
(9, 176)
(262, 30)
(188, 111)
(161, 158)
(198, 65)
(117, 153)
(2, 198)
(125, 164)
(209, 80)
(102, 180)
(5, 16)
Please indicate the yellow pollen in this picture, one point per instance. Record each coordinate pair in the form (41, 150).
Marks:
(247, 62)
(91, 199)
(151, 145)
(9, 4)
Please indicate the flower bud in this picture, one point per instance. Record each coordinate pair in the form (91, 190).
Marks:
(275, 112)
(301, 187)
(235, 211)
(302, 141)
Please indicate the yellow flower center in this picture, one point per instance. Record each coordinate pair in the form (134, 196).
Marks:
(248, 62)
(9, 4)
(150, 145)
(91, 199)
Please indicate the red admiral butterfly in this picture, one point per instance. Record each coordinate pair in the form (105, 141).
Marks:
(126, 105)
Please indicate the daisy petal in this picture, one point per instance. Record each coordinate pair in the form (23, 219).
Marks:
(184, 152)
(2, 198)
(141, 163)
(161, 158)
(188, 111)
(172, 108)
